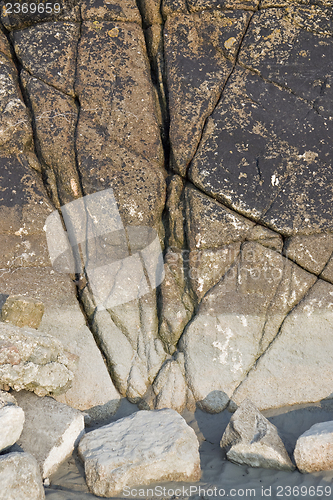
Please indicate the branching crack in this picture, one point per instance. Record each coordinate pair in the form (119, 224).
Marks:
(221, 94)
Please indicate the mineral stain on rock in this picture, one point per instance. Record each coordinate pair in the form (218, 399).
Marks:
(211, 122)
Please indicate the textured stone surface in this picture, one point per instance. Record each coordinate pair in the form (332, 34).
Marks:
(34, 361)
(21, 311)
(290, 371)
(11, 420)
(200, 52)
(137, 450)
(236, 321)
(20, 478)
(211, 121)
(313, 451)
(50, 432)
(250, 439)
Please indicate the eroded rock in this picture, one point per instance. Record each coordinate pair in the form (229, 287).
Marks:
(11, 420)
(146, 447)
(250, 439)
(51, 430)
(20, 477)
(293, 371)
(313, 451)
(22, 311)
(34, 361)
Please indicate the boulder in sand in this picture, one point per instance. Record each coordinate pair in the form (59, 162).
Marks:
(146, 447)
(50, 432)
(11, 420)
(250, 439)
(20, 478)
(314, 448)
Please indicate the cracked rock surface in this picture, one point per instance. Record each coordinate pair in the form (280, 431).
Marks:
(211, 121)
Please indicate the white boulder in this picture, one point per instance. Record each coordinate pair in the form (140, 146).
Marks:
(11, 420)
(314, 448)
(51, 430)
(146, 447)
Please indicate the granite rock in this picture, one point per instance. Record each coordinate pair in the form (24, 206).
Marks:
(148, 446)
(20, 477)
(250, 439)
(51, 430)
(313, 450)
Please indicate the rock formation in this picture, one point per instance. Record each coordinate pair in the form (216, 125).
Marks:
(211, 122)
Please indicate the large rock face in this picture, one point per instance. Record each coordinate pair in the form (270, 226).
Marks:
(210, 121)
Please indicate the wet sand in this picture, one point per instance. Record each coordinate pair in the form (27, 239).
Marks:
(230, 480)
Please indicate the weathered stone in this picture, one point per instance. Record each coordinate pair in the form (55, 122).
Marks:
(289, 371)
(279, 47)
(171, 6)
(20, 478)
(55, 118)
(24, 208)
(169, 386)
(34, 361)
(200, 52)
(207, 267)
(197, 5)
(15, 129)
(269, 158)
(63, 320)
(313, 451)
(22, 311)
(250, 439)
(47, 51)
(150, 11)
(211, 224)
(327, 273)
(311, 252)
(266, 237)
(149, 446)
(69, 12)
(111, 57)
(174, 297)
(11, 420)
(236, 320)
(51, 430)
(114, 10)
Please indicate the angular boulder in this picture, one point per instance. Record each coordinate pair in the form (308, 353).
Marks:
(22, 311)
(140, 449)
(11, 420)
(314, 448)
(250, 439)
(34, 361)
(50, 432)
(20, 478)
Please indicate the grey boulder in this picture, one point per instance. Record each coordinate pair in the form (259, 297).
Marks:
(250, 439)
(20, 478)
(51, 430)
